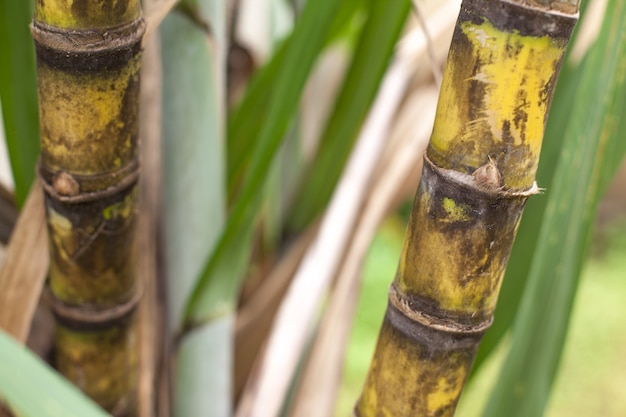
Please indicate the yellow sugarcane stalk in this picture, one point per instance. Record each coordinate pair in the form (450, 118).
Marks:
(478, 172)
(88, 58)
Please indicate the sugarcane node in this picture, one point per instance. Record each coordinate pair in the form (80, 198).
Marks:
(528, 18)
(416, 371)
(64, 184)
(438, 320)
(85, 51)
(488, 176)
(470, 181)
(123, 178)
(426, 334)
(456, 247)
(498, 94)
(92, 317)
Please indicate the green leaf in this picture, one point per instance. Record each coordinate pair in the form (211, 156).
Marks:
(216, 291)
(592, 147)
(33, 389)
(349, 21)
(18, 93)
(379, 36)
(248, 119)
(250, 116)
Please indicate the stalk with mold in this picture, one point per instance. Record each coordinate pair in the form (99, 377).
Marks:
(88, 56)
(479, 171)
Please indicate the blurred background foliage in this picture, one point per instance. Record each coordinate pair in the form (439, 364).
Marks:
(291, 89)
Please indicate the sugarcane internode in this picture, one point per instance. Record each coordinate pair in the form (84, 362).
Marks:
(478, 172)
(88, 59)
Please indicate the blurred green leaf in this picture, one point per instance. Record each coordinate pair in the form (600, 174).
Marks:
(216, 291)
(349, 21)
(33, 389)
(18, 93)
(249, 117)
(591, 150)
(382, 29)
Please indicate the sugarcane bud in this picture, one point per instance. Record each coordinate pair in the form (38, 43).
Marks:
(64, 184)
(488, 176)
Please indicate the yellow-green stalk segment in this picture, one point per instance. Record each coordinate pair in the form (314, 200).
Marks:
(478, 173)
(88, 57)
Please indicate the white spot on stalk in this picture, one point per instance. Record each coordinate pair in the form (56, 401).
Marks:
(481, 36)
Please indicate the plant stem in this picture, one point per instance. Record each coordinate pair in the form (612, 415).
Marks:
(88, 59)
(478, 173)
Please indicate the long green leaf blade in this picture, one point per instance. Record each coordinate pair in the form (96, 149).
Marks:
(33, 389)
(379, 36)
(591, 148)
(18, 92)
(248, 118)
(216, 291)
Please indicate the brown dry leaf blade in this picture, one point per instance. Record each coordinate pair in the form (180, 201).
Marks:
(24, 270)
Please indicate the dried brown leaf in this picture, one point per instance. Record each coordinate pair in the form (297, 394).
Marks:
(25, 267)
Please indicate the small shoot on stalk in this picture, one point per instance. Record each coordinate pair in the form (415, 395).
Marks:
(488, 176)
(65, 184)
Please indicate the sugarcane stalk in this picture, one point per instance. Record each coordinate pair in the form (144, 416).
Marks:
(88, 58)
(478, 172)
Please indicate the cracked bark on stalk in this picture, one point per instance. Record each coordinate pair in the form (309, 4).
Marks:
(88, 58)
(478, 173)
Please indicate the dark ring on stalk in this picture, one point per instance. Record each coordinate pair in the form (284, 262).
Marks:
(74, 50)
(461, 180)
(443, 323)
(122, 178)
(427, 334)
(513, 16)
(92, 318)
